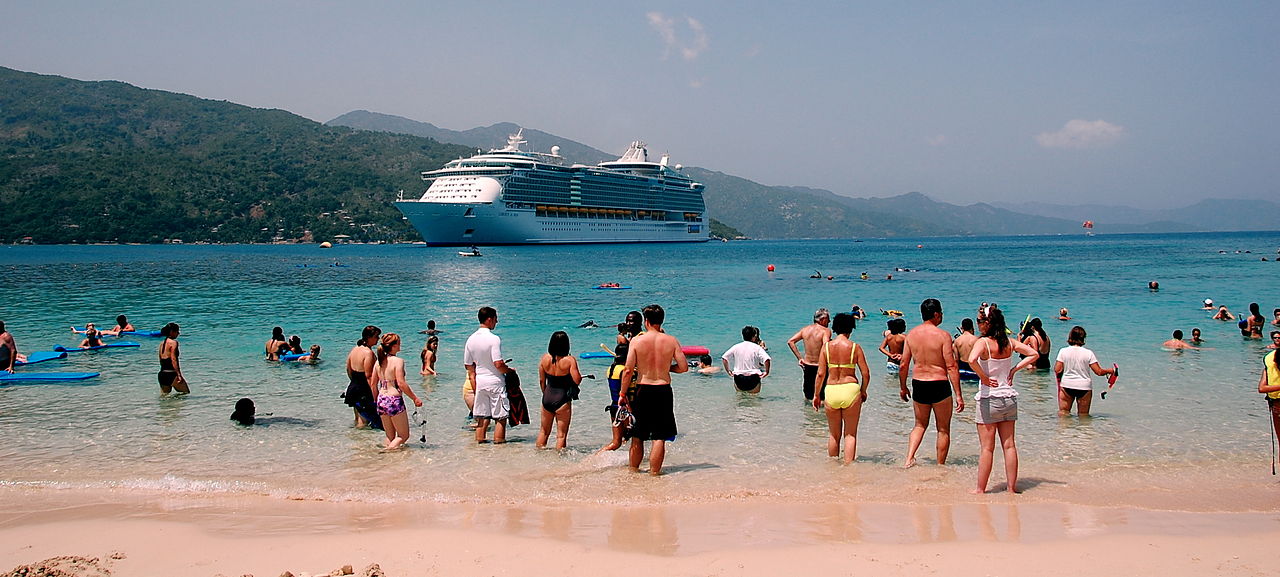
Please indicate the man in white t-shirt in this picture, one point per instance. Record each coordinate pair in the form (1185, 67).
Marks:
(747, 362)
(1076, 366)
(483, 358)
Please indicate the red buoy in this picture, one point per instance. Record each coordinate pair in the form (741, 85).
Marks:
(770, 267)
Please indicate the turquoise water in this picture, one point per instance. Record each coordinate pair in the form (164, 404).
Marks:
(1172, 417)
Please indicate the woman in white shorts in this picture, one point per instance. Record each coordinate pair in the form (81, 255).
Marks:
(997, 400)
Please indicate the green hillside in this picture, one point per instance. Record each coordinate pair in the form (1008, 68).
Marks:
(106, 161)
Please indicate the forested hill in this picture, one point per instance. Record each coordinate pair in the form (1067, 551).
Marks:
(107, 161)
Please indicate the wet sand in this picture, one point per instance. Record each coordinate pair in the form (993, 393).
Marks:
(155, 534)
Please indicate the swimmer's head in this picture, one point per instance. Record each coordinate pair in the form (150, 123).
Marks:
(558, 346)
(170, 330)
(1209, 303)
(244, 412)
(431, 324)
(486, 314)
(821, 316)
(896, 326)
(705, 360)
(929, 308)
(370, 333)
(88, 326)
(1195, 333)
(1177, 334)
(966, 325)
(1062, 312)
(1076, 336)
(277, 334)
(620, 354)
(843, 324)
(314, 352)
(1275, 335)
(122, 321)
(433, 342)
(750, 333)
(654, 315)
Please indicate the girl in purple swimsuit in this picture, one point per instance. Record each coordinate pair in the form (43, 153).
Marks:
(391, 384)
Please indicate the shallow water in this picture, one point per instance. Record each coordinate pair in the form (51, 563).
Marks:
(1172, 418)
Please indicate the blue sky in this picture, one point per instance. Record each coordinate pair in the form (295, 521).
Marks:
(1150, 104)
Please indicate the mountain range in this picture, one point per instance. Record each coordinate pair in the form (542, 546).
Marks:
(763, 211)
(111, 162)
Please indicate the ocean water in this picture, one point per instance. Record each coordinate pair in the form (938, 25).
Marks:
(1175, 419)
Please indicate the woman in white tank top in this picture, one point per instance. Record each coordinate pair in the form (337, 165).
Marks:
(992, 359)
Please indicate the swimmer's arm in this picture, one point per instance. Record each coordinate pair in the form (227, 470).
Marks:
(791, 342)
(682, 363)
(502, 367)
(542, 373)
(573, 370)
(953, 372)
(768, 364)
(727, 370)
(1263, 387)
(866, 373)
(1097, 369)
(404, 385)
(370, 372)
(820, 382)
(1032, 355)
(628, 375)
(903, 363)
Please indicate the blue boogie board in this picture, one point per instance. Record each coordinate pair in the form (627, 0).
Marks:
(125, 344)
(41, 356)
(44, 377)
(596, 355)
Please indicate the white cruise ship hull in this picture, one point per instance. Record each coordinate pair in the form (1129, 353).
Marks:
(465, 224)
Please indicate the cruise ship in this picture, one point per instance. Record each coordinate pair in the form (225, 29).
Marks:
(510, 196)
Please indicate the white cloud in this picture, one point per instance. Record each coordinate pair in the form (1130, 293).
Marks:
(665, 26)
(699, 40)
(1082, 134)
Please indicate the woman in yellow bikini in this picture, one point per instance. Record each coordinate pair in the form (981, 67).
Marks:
(840, 389)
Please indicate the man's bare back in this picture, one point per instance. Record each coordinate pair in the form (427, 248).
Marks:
(964, 344)
(652, 356)
(929, 350)
(813, 337)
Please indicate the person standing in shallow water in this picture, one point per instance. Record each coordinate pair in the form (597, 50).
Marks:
(559, 379)
(170, 375)
(997, 400)
(391, 388)
(840, 390)
(928, 355)
(362, 384)
(482, 357)
(651, 358)
(813, 337)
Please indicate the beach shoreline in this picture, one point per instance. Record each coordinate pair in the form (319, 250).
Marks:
(158, 534)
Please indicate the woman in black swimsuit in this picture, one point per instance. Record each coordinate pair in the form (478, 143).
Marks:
(170, 375)
(559, 378)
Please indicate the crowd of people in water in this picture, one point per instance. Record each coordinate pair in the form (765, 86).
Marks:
(929, 362)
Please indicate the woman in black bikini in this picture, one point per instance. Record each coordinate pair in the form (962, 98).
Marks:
(170, 375)
(559, 378)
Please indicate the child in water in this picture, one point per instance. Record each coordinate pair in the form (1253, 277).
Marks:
(615, 390)
(428, 355)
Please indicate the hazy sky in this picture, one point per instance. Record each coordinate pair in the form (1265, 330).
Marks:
(1155, 104)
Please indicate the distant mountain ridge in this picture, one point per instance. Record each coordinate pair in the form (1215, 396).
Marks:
(764, 211)
(484, 138)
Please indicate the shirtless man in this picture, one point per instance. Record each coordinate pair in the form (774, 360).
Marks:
(814, 336)
(651, 358)
(964, 343)
(1176, 342)
(931, 359)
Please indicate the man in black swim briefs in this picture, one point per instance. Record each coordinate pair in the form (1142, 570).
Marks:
(813, 337)
(928, 354)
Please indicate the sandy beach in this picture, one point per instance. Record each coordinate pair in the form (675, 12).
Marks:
(138, 534)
